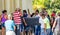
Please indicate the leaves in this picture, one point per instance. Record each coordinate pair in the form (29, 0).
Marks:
(49, 4)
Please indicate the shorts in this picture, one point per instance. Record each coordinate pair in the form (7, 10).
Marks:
(20, 27)
(27, 28)
(0, 26)
(10, 33)
(3, 25)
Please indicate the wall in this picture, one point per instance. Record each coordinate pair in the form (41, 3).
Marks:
(11, 5)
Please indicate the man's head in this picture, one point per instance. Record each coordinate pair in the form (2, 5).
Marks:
(58, 13)
(40, 13)
(18, 9)
(54, 11)
(43, 15)
(37, 12)
(4, 11)
(53, 14)
(24, 12)
(10, 17)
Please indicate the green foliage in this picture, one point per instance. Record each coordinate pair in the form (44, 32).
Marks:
(50, 5)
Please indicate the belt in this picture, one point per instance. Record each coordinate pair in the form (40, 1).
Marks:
(10, 30)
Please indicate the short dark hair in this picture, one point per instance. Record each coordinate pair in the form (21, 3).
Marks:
(37, 10)
(54, 11)
(43, 14)
(24, 11)
(58, 13)
(4, 11)
(43, 8)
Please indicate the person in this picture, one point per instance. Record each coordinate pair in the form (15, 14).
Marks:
(26, 28)
(43, 27)
(25, 13)
(17, 15)
(53, 16)
(37, 13)
(56, 25)
(3, 19)
(47, 15)
(46, 24)
(37, 27)
(10, 26)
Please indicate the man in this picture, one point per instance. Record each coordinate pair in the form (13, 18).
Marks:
(56, 25)
(10, 26)
(17, 19)
(37, 13)
(42, 24)
(37, 27)
(46, 25)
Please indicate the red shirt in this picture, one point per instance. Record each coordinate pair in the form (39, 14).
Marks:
(17, 18)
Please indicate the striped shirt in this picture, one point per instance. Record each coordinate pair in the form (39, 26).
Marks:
(17, 18)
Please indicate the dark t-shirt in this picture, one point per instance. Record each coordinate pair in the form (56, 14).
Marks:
(25, 15)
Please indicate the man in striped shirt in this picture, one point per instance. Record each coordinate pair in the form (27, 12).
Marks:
(17, 19)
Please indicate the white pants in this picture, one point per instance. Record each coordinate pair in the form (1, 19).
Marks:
(10, 33)
(56, 31)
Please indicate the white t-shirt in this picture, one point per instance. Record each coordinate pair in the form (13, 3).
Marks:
(41, 22)
(37, 15)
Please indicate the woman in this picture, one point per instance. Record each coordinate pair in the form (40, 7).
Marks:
(3, 19)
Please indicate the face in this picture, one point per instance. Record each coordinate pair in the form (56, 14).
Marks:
(43, 17)
(24, 13)
(40, 13)
(5, 12)
(36, 13)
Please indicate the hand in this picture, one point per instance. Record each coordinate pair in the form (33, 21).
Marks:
(52, 29)
(28, 9)
(44, 30)
(25, 24)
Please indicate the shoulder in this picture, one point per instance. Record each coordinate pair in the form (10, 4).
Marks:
(46, 19)
(6, 21)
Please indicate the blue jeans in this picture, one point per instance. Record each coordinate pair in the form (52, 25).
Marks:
(37, 30)
(3, 25)
(51, 33)
(27, 28)
(20, 28)
(48, 31)
(43, 32)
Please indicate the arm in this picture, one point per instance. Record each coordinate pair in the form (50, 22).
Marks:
(29, 15)
(54, 25)
(24, 22)
(0, 18)
(28, 12)
(14, 26)
(45, 27)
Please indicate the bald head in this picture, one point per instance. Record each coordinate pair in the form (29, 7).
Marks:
(10, 17)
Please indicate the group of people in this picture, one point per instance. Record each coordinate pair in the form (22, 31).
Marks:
(15, 24)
